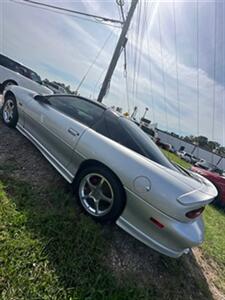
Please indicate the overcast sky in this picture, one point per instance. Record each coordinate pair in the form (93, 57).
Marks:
(180, 80)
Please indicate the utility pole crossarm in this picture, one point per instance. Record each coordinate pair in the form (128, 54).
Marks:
(117, 51)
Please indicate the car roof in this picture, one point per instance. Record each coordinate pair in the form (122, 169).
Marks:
(82, 98)
(19, 63)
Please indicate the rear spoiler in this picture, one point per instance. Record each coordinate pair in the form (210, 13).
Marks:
(202, 196)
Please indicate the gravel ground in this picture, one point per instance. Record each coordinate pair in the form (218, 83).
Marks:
(125, 254)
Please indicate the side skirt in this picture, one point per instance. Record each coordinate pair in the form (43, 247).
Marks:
(56, 164)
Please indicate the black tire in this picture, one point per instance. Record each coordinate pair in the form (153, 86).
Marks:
(118, 202)
(8, 83)
(10, 121)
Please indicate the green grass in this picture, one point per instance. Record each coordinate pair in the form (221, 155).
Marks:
(173, 157)
(50, 250)
(47, 251)
(214, 245)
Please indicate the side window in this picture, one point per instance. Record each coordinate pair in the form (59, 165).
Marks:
(119, 135)
(79, 109)
(34, 76)
(7, 63)
(23, 71)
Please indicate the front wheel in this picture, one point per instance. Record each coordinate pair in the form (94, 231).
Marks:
(9, 112)
(100, 193)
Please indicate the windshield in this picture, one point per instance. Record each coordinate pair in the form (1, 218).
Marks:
(145, 143)
(35, 77)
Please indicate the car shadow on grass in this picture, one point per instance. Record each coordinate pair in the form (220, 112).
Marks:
(65, 255)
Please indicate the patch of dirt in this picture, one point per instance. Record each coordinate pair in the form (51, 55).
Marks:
(24, 162)
(189, 275)
(210, 269)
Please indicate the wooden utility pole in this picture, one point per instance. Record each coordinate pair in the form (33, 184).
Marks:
(121, 43)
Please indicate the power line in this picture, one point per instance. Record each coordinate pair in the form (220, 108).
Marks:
(95, 20)
(141, 40)
(120, 44)
(214, 73)
(106, 19)
(197, 62)
(94, 61)
(163, 71)
(223, 98)
(178, 90)
(150, 66)
(137, 33)
(121, 12)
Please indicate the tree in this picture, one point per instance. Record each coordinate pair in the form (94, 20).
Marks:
(213, 145)
(202, 141)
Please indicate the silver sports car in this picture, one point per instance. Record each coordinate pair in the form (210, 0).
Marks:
(117, 172)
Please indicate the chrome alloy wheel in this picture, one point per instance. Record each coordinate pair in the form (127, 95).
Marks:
(8, 110)
(96, 194)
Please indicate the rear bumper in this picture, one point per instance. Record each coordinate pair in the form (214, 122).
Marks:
(175, 239)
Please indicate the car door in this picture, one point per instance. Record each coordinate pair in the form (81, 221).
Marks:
(33, 112)
(61, 134)
(65, 119)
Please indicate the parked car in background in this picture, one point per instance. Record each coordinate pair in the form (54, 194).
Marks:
(116, 170)
(180, 153)
(165, 146)
(14, 73)
(56, 88)
(194, 159)
(203, 164)
(215, 175)
(187, 157)
(184, 155)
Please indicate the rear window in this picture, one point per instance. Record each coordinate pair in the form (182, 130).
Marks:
(142, 141)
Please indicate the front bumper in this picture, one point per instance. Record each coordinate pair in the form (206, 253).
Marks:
(175, 239)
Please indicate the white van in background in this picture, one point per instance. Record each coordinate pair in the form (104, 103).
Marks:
(14, 73)
(56, 88)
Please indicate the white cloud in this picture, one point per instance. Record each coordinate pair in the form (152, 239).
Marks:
(62, 48)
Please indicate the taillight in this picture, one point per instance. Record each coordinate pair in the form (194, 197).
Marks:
(195, 213)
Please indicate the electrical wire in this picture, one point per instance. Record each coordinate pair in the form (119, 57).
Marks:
(214, 73)
(177, 75)
(99, 79)
(122, 16)
(94, 61)
(73, 11)
(197, 63)
(163, 71)
(136, 51)
(95, 20)
(141, 40)
(223, 98)
(150, 65)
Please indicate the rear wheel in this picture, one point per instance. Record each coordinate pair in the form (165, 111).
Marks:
(9, 112)
(100, 193)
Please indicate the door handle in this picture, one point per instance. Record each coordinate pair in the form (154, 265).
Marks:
(73, 132)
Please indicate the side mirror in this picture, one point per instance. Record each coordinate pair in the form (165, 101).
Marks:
(40, 98)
